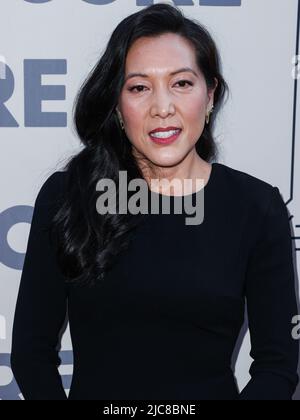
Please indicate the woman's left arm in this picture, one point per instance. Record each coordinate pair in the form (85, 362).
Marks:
(271, 305)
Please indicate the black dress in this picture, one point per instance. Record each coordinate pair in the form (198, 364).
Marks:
(164, 323)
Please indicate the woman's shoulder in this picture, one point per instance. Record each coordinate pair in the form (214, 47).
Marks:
(243, 187)
(242, 179)
(52, 188)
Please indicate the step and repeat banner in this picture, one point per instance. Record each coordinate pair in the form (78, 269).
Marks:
(47, 47)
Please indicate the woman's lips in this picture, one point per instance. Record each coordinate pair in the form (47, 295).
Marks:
(167, 140)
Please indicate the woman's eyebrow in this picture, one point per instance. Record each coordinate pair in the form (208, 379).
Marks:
(183, 69)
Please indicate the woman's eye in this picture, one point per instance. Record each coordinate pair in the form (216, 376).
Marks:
(185, 81)
(135, 87)
(141, 86)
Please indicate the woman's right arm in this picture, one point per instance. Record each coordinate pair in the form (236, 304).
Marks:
(41, 306)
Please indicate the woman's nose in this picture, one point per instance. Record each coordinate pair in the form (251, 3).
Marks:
(162, 105)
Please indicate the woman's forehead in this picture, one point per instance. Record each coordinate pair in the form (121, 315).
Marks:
(155, 57)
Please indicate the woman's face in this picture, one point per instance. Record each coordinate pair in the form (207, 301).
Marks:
(162, 99)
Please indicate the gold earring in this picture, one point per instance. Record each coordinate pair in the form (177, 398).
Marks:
(120, 119)
(208, 114)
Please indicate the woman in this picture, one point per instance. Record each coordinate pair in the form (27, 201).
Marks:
(155, 306)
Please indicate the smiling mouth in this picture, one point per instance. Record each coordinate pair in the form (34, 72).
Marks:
(165, 137)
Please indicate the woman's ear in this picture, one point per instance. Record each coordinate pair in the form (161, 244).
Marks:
(211, 92)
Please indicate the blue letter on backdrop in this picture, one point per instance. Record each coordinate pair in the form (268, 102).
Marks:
(35, 93)
(7, 85)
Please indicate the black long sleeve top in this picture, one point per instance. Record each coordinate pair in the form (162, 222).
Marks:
(164, 323)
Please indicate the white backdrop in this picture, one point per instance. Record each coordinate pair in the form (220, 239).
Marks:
(55, 43)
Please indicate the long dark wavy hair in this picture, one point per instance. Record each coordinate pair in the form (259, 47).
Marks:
(89, 242)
